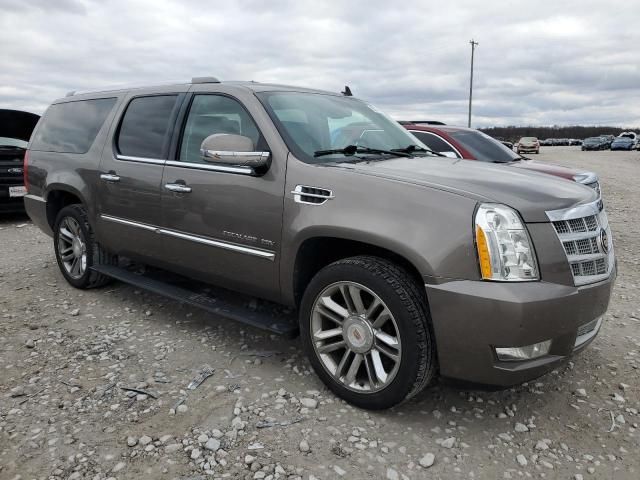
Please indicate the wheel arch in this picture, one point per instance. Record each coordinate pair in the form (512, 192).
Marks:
(317, 251)
(57, 197)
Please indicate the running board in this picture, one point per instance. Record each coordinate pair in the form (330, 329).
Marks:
(234, 306)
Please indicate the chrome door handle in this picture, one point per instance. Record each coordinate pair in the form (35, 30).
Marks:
(109, 177)
(177, 187)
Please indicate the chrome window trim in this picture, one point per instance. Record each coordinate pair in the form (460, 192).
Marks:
(212, 168)
(266, 254)
(128, 158)
(579, 211)
(454, 149)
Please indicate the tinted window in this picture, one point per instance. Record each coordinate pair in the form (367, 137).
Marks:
(483, 147)
(73, 126)
(211, 114)
(144, 131)
(434, 142)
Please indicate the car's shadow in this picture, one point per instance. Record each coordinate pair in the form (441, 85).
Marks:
(7, 219)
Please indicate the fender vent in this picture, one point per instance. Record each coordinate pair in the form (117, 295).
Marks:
(311, 195)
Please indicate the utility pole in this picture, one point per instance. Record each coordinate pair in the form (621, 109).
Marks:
(473, 47)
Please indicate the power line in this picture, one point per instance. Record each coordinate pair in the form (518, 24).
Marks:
(473, 48)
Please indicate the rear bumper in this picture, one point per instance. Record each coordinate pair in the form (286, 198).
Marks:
(11, 205)
(7, 202)
(36, 208)
(471, 318)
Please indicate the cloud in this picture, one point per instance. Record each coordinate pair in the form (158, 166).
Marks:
(541, 62)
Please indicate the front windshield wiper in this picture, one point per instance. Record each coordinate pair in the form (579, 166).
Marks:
(415, 148)
(351, 150)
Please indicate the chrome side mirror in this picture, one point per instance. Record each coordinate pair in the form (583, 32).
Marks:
(235, 151)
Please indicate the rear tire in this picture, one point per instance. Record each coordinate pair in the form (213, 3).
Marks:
(76, 249)
(368, 308)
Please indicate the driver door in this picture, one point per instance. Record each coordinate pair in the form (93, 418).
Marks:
(222, 225)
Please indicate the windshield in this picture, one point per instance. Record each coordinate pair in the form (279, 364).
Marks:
(312, 123)
(483, 147)
(12, 142)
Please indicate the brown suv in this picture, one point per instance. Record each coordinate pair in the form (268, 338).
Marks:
(394, 264)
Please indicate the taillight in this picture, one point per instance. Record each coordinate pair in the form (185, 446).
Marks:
(25, 170)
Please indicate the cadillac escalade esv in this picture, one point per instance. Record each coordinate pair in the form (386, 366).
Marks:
(394, 264)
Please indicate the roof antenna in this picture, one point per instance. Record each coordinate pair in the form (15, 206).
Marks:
(347, 91)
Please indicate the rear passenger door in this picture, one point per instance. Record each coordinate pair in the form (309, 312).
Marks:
(225, 225)
(129, 197)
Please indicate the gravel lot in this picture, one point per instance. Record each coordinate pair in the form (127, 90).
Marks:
(65, 354)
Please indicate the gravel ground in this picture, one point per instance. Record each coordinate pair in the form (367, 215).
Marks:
(66, 354)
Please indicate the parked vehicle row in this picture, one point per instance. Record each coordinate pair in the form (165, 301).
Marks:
(15, 129)
(556, 142)
(396, 262)
(624, 141)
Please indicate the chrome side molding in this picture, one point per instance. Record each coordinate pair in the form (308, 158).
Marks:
(213, 242)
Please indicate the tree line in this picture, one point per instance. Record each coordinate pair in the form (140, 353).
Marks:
(513, 134)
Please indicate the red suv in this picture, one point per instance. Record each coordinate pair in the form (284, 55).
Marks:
(470, 144)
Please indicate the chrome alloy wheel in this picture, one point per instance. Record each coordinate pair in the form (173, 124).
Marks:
(355, 337)
(72, 247)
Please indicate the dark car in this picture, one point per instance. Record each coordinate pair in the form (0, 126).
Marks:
(607, 140)
(594, 143)
(470, 144)
(623, 143)
(15, 129)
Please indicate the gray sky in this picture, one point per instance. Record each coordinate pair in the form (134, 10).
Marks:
(539, 63)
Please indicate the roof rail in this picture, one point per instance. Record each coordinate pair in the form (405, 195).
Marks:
(205, 80)
(71, 93)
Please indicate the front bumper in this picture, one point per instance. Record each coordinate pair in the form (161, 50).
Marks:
(472, 318)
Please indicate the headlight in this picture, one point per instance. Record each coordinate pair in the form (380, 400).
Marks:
(504, 248)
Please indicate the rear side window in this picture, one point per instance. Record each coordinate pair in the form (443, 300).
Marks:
(73, 126)
(144, 131)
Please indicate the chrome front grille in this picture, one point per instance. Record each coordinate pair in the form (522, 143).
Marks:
(586, 238)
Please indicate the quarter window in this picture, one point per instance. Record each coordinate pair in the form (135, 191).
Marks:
(72, 127)
(211, 114)
(144, 131)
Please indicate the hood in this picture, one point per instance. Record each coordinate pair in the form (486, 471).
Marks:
(17, 124)
(531, 193)
(562, 172)
(624, 140)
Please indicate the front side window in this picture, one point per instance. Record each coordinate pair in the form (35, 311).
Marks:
(211, 114)
(145, 127)
(434, 142)
(72, 127)
(311, 122)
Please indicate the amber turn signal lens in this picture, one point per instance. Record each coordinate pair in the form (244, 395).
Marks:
(483, 253)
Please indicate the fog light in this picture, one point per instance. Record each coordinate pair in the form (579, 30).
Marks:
(528, 352)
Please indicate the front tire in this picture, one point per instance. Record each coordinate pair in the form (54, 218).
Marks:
(77, 251)
(366, 329)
